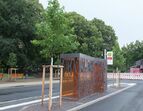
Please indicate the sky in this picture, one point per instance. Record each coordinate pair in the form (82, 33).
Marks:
(125, 16)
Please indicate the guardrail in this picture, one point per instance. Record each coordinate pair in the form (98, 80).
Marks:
(132, 76)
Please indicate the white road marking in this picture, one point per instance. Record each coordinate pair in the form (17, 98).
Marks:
(25, 103)
(101, 98)
(17, 100)
(20, 99)
(115, 84)
(73, 109)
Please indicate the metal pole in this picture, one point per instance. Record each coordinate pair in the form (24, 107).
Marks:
(52, 61)
(43, 84)
(8, 74)
(117, 77)
(105, 54)
(15, 75)
(11, 73)
(113, 77)
(61, 79)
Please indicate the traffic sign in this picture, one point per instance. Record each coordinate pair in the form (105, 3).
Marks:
(109, 57)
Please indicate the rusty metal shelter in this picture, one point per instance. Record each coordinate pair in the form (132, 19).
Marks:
(83, 75)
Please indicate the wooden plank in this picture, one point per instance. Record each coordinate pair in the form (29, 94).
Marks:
(54, 66)
(50, 88)
(61, 80)
(43, 84)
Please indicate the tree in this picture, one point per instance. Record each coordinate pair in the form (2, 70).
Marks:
(55, 36)
(94, 36)
(107, 33)
(52, 31)
(118, 59)
(17, 29)
(87, 34)
(132, 53)
(12, 60)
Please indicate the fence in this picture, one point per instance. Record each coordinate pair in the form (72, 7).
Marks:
(1, 75)
(132, 76)
(17, 76)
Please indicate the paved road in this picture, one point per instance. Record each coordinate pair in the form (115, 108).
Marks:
(129, 100)
(124, 101)
(20, 94)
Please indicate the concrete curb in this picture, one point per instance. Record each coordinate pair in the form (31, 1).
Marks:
(16, 84)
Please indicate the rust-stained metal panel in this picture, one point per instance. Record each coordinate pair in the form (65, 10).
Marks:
(83, 75)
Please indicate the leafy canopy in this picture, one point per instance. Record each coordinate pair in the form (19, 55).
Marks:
(55, 36)
(17, 29)
(132, 53)
(12, 60)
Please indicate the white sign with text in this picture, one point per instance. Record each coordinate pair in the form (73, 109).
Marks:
(109, 57)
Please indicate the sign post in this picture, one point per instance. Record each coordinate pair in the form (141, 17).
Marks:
(105, 54)
(117, 77)
(109, 57)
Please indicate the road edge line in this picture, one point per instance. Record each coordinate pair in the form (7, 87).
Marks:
(101, 98)
(25, 103)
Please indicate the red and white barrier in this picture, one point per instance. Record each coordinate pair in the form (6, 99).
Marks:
(133, 76)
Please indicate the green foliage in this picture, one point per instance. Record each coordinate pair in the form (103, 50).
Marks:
(6, 46)
(52, 31)
(80, 26)
(17, 29)
(94, 36)
(106, 33)
(118, 59)
(132, 53)
(12, 60)
(55, 37)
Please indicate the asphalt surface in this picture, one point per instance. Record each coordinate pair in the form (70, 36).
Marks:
(129, 100)
(20, 94)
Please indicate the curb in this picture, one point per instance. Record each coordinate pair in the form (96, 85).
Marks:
(6, 85)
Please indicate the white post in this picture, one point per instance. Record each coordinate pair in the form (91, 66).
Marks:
(43, 84)
(11, 73)
(61, 79)
(105, 54)
(8, 74)
(117, 78)
(52, 61)
(15, 74)
(113, 77)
